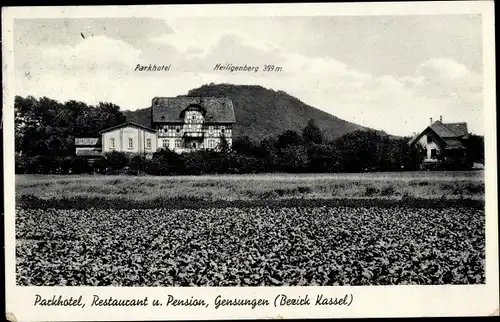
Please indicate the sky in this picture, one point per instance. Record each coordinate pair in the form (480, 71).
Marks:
(391, 73)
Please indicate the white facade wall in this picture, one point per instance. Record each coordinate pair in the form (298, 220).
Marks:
(172, 136)
(430, 146)
(129, 139)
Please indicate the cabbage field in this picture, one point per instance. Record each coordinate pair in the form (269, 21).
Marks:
(251, 246)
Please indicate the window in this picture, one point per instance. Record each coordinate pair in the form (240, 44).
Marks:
(112, 143)
(194, 145)
(148, 143)
(211, 144)
(164, 144)
(194, 117)
(130, 143)
(211, 129)
(429, 139)
(177, 143)
(433, 153)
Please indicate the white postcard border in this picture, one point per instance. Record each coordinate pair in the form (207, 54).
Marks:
(369, 301)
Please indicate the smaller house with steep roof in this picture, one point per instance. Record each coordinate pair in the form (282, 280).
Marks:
(444, 142)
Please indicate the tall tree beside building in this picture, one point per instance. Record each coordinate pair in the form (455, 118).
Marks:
(475, 144)
(312, 133)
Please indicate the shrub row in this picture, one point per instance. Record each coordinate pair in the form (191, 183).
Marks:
(291, 152)
(33, 202)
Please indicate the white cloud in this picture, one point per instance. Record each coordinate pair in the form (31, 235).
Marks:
(448, 69)
(101, 69)
(92, 52)
(184, 43)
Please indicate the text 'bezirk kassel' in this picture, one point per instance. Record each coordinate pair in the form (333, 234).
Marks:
(218, 303)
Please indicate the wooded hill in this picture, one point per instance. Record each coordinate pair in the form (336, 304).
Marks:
(262, 113)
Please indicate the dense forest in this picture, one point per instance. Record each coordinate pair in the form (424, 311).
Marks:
(45, 132)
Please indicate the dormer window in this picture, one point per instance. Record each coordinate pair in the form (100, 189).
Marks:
(193, 113)
(429, 139)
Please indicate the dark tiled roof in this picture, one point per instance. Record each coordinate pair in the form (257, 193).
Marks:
(168, 109)
(127, 124)
(87, 141)
(445, 131)
(452, 144)
(442, 130)
(460, 129)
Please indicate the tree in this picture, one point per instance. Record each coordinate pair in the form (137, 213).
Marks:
(243, 145)
(293, 159)
(289, 138)
(413, 156)
(116, 160)
(80, 165)
(166, 161)
(321, 158)
(137, 162)
(312, 133)
(475, 145)
(269, 153)
(224, 144)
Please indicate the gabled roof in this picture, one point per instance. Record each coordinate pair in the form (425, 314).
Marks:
(449, 130)
(442, 130)
(445, 131)
(126, 124)
(169, 109)
(453, 144)
(87, 141)
(460, 129)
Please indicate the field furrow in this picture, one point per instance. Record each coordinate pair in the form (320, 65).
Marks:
(255, 246)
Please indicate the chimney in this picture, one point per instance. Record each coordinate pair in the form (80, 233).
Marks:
(431, 120)
(441, 118)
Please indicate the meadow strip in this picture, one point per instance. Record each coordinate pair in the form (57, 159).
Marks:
(210, 189)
